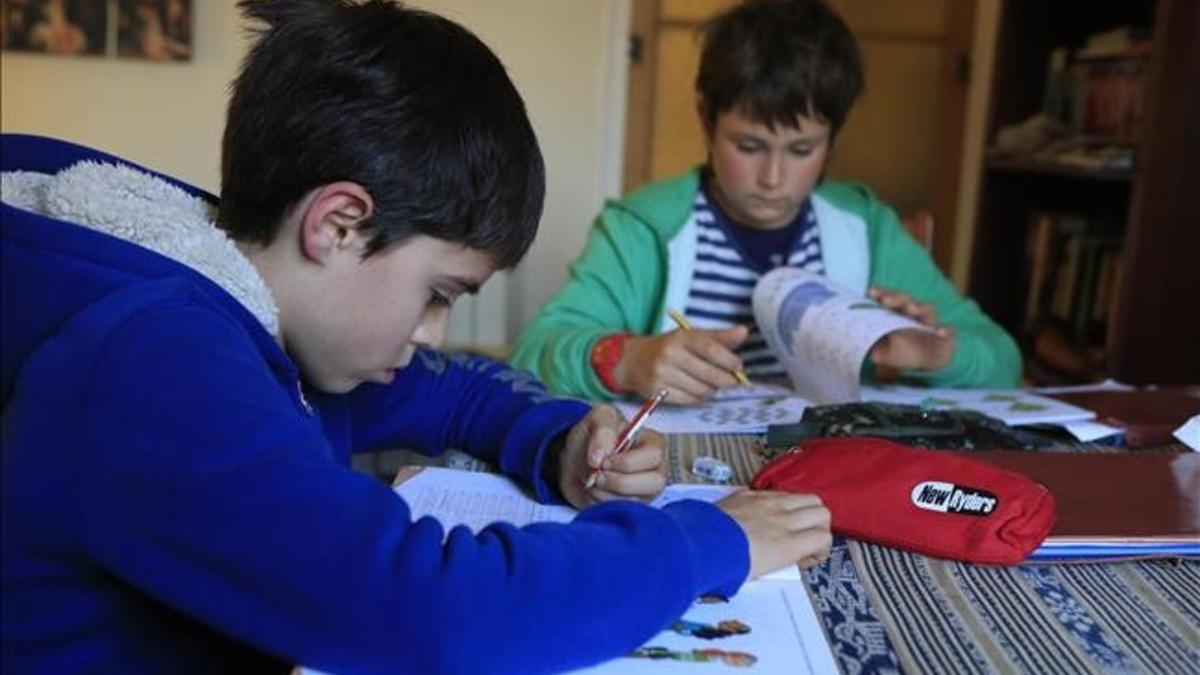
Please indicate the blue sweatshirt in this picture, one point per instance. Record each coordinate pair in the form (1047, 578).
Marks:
(175, 499)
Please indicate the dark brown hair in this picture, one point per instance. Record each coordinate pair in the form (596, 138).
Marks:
(775, 60)
(409, 105)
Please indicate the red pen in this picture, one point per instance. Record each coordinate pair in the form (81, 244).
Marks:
(629, 434)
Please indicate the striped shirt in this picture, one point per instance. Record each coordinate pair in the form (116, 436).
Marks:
(729, 264)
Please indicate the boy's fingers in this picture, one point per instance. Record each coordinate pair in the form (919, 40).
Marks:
(812, 561)
(811, 542)
(605, 416)
(926, 313)
(644, 457)
(709, 348)
(720, 356)
(600, 494)
(677, 396)
(645, 485)
(788, 501)
(693, 389)
(732, 337)
(600, 445)
(901, 304)
(887, 299)
(716, 346)
(812, 517)
(703, 370)
(881, 351)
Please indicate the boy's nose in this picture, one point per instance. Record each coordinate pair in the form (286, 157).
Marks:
(432, 329)
(771, 171)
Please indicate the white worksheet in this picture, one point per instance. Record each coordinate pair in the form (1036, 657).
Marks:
(784, 636)
(477, 500)
(820, 332)
(1014, 407)
(723, 415)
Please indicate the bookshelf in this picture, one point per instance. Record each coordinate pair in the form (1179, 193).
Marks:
(1096, 268)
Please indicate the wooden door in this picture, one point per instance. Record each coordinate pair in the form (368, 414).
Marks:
(903, 138)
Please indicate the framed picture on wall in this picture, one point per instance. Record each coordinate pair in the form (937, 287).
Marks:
(159, 30)
(69, 27)
(156, 30)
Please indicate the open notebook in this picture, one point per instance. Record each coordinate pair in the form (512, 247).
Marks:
(477, 499)
(783, 632)
(775, 628)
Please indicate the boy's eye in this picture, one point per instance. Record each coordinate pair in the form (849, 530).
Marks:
(438, 300)
(802, 151)
(748, 147)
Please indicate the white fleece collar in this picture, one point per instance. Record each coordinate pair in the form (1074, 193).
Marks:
(150, 212)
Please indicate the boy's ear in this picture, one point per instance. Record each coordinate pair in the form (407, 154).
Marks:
(335, 220)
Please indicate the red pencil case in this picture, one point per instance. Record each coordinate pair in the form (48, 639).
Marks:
(918, 500)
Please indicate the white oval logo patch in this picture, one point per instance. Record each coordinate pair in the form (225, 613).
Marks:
(934, 495)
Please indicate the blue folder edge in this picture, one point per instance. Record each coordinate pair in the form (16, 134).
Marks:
(1102, 551)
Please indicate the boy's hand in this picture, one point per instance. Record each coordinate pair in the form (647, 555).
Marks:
(690, 364)
(911, 349)
(638, 473)
(782, 528)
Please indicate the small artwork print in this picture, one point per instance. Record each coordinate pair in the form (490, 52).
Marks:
(736, 659)
(159, 30)
(67, 27)
(704, 631)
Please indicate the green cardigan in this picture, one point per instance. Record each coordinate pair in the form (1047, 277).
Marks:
(637, 263)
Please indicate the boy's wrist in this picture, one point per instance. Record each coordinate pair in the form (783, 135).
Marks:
(605, 356)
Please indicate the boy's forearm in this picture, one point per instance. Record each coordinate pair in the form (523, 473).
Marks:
(610, 289)
(560, 355)
(619, 573)
(475, 404)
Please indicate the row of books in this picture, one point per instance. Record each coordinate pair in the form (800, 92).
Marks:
(1098, 90)
(1073, 272)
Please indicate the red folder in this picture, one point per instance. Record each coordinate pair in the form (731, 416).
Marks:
(1146, 496)
(1148, 416)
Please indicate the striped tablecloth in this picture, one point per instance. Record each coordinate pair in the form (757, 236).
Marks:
(890, 611)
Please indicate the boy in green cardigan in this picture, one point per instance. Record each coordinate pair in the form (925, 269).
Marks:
(777, 79)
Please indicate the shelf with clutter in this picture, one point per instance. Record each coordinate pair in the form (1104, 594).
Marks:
(1082, 186)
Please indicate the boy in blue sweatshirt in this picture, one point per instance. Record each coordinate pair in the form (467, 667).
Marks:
(184, 382)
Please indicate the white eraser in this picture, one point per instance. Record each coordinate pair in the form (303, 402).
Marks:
(712, 469)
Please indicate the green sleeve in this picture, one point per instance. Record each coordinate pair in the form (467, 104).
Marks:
(614, 286)
(985, 355)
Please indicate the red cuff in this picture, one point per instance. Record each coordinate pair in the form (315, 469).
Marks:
(606, 353)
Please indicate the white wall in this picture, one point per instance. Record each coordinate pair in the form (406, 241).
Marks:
(166, 115)
(557, 53)
(170, 116)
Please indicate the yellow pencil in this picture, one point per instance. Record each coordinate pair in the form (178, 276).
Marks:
(682, 322)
